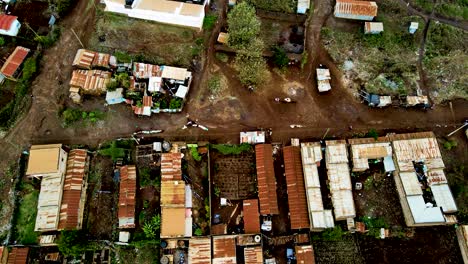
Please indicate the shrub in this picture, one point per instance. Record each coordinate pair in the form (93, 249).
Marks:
(195, 155)
(450, 144)
(112, 85)
(214, 84)
(113, 151)
(151, 228)
(209, 22)
(198, 232)
(29, 69)
(176, 103)
(71, 115)
(2, 41)
(72, 242)
(373, 134)
(280, 58)
(223, 57)
(122, 57)
(332, 234)
(227, 149)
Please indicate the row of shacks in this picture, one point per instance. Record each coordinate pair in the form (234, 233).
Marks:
(94, 72)
(414, 159)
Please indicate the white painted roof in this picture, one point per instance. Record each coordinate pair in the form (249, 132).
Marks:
(411, 183)
(443, 198)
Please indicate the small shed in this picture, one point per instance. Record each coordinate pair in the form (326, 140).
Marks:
(413, 27)
(115, 97)
(373, 27)
(232, 2)
(303, 6)
(223, 37)
(323, 80)
(9, 25)
(252, 137)
(11, 67)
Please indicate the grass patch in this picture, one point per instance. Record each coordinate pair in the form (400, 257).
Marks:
(209, 22)
(223, 57)
(26, 218)
(113, 151)
(227, 149)
(288, 6)
(72, 116)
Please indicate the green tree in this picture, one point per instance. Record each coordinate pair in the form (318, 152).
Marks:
(280, 58)
(243, 26)
(72, 242)
(151, 228)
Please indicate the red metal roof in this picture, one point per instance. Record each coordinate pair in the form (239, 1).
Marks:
(147, 101)
(71, 208)
(305, 254)
(171, 167)
(297, 199)
(14, 61)
(127, 194)
(18, 255)
(266, 179)
(6, 21)
(251, 216)
(224, 247)
(362, 8)
(253, 255)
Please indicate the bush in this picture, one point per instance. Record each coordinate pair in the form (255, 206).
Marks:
(450, 144)
(151, 228)
(209, 22)
(332, 234)
(288, 6)
(29, 69)
(214, 84)
(198, 232)
(63, 6)
(280, 58)
(227, 149)
(223, 57)
(373, 134)
(72, 243)
(2, 41)
(113, 151)
(122, 57)
(71, 115)
(176, 103)
(195, 155)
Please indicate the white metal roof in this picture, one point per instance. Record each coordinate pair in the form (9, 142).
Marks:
(48, 206)
(443, 197)
(302, 6)
(339, 177)
(343, 204)
(422, 213)
(154, 84)
(314, 199)
(311, 152)
(436, 176)
(336, 152)
(389, 165)
(411, 184)
(373, 27)
(322, 219)
(181, 91)
(252, 137)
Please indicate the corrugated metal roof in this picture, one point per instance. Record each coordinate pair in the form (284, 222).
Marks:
(336, 152)
(266, 179)
(91, 82)
(251, 216)
(171, 166)
(2, 252)
(173, 193)
(223, 37)
(144, 71)
(416, 149)
(361, 153)
(199, 251)
(18, 255)
(48, 205)
(87, 59)
(252, 137)
(6, 21)
(73, 195)
(253, 255)
(436, 176)
(305, 254)
(411, 184)
(224, 249)
(423, 214)
(127, 196)
(173, 222)
(357, 8)
(14, 61)
(373, 27)
(297, 200)
(343, 204)
(444, 198)
(175, 73)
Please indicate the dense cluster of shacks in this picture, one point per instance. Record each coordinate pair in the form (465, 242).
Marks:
(95, 71)
(414, 160)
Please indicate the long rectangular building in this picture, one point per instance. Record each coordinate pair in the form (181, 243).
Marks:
(266, 180)
(297, 199)
(352, 9)
(340, 179)
(127, 195)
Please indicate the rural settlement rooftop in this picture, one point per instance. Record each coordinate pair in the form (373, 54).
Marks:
(14, 61)
(44, 159)
(297, 199)
(351, 9)
(224, 250)
(92, 82)
(18, 255)
(362, 150)
(253, 255)
(88, 59)
(74, 195)
(266, 179)
(319, 218)
(305, 254)
(171, 166)
(127, 195)
(251, 216)
(6, 21)
(199, 250)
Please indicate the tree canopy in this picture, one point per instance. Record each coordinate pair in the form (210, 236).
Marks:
(243, 25)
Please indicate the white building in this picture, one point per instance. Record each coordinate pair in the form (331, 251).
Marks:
(373, 27)
(190, 13)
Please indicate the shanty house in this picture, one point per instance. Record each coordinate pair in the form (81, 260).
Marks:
(223, 38)
(297, 199)
(224, 250)
(127, 195)
(253, 255)
(46, 160)
(9, 25)
(413, 27)
(352, 9)
(115, 97)
(303, 6)
(305, 254)
(266, 179)
(419, 169)
(182, 13)
(18, 255)
(93, 82)
(319, 218)
(74, 190)
(336, 158)
(373, 27)
(251, 216)
(11, 69)
(87, 59)
(199, 251)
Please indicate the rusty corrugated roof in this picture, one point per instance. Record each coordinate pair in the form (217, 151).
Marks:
(127, 196)
(305, 254)
(253, 255)
(173, 193)
(251, 216)
(91, 82)
(73, 193)
(14, 61)
(199, 251)
(144, 71)
(266, 179)
(6, 21)
(147, 101)
(297, 199)
(224, 248)
(18, 255)
(352, 7)
(88, 58)
(171, 166)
